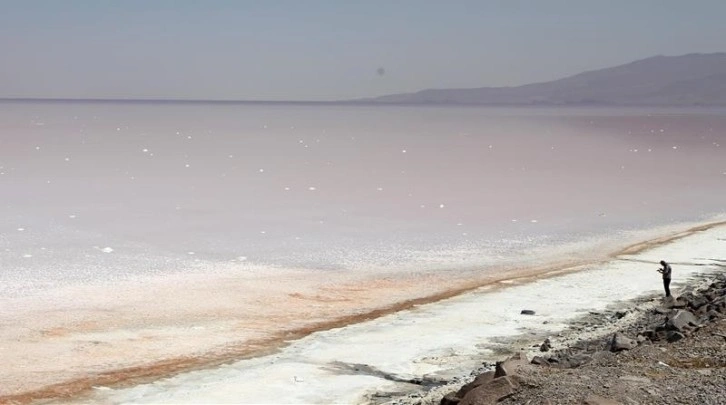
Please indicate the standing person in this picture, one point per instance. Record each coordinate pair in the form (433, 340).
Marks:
(666, 272)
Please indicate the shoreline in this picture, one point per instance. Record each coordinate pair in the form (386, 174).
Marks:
(640, 351)
(130, 376)
(593, 328)
(493, 286)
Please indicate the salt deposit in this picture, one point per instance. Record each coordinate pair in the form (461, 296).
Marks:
(343, 365)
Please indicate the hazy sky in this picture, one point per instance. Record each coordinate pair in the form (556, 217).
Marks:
(318, 50)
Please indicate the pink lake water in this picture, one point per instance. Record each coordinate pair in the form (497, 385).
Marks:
(144, 239)
(98, 192)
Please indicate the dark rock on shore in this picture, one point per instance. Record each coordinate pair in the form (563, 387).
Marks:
(491, 386)
(491, 392)
(674, 336)
(680, 320)
(622, 342)
(545, 346)
(480, 380)
(510, 366)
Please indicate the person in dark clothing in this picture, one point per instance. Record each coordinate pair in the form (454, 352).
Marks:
(666, 272)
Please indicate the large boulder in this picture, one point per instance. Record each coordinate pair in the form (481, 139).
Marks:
(712, 315)
(679, 320)
(481, 379)
(719, 304)
(674, 336)
(669, 302)
(510, 365)
(621, 342)
(698, 301)
(450, 399)
(492, 392)
(577, 360)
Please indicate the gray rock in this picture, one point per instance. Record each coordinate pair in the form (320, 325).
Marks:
(621, 342)
(674, 336)
(481, 379)
(697, 302)
(492, 392)
(648, 334)
(545, 346)
(668, 302)
(509, 366)
(679, 320)
(680, 302)
(527, 312)
(661, 310)
(450, 399)
(719, 304)
(578, 360)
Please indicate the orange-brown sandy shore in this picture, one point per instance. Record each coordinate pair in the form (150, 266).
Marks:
(65, 344)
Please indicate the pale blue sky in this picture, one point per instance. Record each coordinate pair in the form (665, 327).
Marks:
(324, 50)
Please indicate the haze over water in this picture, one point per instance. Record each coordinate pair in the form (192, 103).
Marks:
(101, 192)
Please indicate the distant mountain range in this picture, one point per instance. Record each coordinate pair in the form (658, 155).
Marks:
(688, 80)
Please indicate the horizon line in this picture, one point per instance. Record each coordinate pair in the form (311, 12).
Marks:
(355, 102)
(169, 100)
